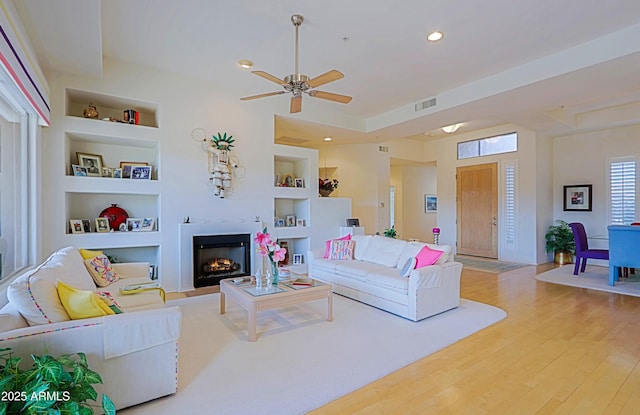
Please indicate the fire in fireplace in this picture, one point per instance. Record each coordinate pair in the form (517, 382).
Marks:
(216, 257)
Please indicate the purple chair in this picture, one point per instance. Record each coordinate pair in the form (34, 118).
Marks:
(582, 248)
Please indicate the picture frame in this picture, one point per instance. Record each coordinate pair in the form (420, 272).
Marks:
(287, 180)
(140, 172)
(430, 203)
(134, 224)
(299, 222)
(148, 225)
(279, 222)
(86, 225)
(577, 198)
(92, 162)
(299, 182)
(126, 167)
(117, 173)
(76, 226)
(290, 220)
(297, 259)
(79, 170)
(351, 222)
(102, 225)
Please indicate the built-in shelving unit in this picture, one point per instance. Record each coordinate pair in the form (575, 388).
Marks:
(114, 142)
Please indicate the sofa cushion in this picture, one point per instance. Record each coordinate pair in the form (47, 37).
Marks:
(427, 256)
(328, 244)
(410, 251)
(88, 254)
(384, 251)
(357, 270)
(340, 249)
(81, 304)
(362, 242)
(101, 271)
(444, 248)
(408, 266)
(34, 294)
(389, 278)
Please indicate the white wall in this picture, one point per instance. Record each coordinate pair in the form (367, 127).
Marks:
(444, 151)
(412, 183)
(584, 159)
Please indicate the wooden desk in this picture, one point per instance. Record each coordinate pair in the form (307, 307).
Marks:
(624, 249)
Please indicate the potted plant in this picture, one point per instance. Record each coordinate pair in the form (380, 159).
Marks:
(559, 240)
(50, 386)
(391, 232)
(327, 186)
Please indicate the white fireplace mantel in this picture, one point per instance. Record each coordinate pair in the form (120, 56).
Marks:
(188, 230)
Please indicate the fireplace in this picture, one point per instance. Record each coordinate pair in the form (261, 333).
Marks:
(216, 257)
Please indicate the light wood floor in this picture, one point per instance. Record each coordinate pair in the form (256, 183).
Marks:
(561, 350)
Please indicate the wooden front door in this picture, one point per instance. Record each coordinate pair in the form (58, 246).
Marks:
(477, 204)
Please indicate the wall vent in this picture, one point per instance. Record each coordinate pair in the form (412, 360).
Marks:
(290, 140)
(384, 149)
(425, 104)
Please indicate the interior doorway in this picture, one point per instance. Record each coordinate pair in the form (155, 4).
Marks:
(477, 210)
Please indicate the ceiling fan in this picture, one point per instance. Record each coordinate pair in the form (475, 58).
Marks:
(298, 83)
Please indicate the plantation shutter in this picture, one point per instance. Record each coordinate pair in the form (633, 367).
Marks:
(510, 204)
(622, 181)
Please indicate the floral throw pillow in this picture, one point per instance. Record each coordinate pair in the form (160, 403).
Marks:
(340, 249)
(101, 271)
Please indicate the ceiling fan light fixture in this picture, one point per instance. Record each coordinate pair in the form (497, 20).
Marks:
(327, 139)
(245, 63)
(450, 129)
(435, 36)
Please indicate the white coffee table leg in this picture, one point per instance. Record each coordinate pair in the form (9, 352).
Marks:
(222, 303)
(251, 311)
(330, 307)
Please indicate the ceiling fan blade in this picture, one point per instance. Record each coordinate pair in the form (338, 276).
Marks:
(344, 99)
(268, 94)
(269, 77)
(296, 104)
(325, 78)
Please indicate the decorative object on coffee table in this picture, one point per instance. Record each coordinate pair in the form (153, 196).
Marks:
(267, 247)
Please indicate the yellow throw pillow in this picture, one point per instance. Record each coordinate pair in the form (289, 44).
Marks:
(88, 254)
(101, 270)
(81, 304)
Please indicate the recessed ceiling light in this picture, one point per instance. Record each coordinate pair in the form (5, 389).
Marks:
(245, 63)
(434, 36)
(327, 139)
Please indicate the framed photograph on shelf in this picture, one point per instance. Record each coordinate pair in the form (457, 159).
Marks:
(92, 162)
(299, 182)
(147, 225)
(577, 198)
(76, 226)
(290, 220)
(430, 203)
(140, 172)
(86, 225)
(297, 259)
(287, 180)
(299, 222)
(117, 173)
(134, 224)
(279, 222)
(127, 165)
(102, 225)
(79, 170)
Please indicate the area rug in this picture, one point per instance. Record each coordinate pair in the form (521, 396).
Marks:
(595, 278)
(487, 265)
(300, 361)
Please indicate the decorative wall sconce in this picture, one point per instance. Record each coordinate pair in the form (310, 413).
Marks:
(221, 164)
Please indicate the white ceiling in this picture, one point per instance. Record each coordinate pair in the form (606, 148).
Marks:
(560, 62)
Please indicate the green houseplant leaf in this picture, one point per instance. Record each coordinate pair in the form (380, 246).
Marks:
(559, 238)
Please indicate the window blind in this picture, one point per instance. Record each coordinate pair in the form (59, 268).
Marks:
(622, 202)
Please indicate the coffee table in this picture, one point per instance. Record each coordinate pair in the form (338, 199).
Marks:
(253, 300)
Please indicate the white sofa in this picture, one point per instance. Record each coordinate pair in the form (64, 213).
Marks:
(374, 277)
(136, 352)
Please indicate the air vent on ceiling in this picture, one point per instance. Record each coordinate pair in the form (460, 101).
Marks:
(383, 149)
(425, 104)
(291, 140)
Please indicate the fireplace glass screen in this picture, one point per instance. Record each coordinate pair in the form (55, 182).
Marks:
(216, 257)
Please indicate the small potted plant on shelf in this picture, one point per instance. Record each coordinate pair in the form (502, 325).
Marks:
(559, 240)
(391, 232)
(327, 186)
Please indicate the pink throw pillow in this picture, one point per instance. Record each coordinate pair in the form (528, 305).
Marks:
(328, 244)
(427, 256)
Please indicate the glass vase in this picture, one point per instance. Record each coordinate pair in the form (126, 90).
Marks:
(274, 272)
